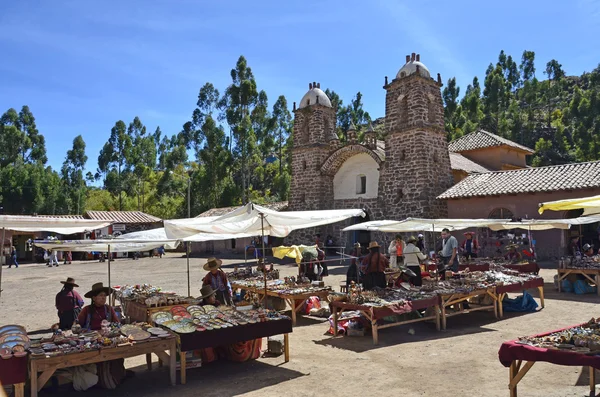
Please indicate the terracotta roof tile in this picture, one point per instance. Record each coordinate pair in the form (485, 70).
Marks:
(527, 180)
(460, 162)
(122, 216)
(482, 139)
(277, 206)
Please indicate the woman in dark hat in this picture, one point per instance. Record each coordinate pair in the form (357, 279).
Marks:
(68, 303)
(207, 294)
(353, 273)
(217, 279)
(374, 265)
(91, 316)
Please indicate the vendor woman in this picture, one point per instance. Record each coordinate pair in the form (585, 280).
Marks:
(207, 296)
(110, 373)
(91, 316)
(217, 279)
(68, 303)
(374, 265)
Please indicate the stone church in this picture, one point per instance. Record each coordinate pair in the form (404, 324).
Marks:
(396, 178)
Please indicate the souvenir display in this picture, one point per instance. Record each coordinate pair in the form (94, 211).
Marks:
(248, 273)
(288, 286)
(13, 341)
(69, 343)
(580, 262)
(208, 318)
(385, 296)
(150, 296)
(581, 339)
(467, 282)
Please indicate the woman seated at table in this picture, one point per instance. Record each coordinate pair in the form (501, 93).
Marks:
(207, 295)
(512, 255)
(217, 279)
(110, 373)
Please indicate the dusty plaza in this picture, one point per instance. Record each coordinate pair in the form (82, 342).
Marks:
(461, 361)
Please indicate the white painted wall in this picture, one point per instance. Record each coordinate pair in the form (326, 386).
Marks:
(344, 181)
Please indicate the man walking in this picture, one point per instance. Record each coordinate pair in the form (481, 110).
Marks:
(449, 253)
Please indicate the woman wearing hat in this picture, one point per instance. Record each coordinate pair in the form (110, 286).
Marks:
(513, 255)
(217, 279)
(68, 303)
(207, 294)
(374, 265)
(91, 316)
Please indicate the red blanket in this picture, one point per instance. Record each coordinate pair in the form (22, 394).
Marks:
(13, 370)
(536, 282)
(512, 351)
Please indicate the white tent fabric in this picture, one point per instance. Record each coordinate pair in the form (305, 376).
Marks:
(116, 245)
(157, 235)
(65, 226)
(246, 221)
(590, 205)
(423, 225)
(546, 224)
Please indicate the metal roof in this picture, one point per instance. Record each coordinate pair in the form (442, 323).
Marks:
(122, 216)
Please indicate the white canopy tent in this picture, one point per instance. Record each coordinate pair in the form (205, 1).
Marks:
(423, 225)
(590, 205)
(31, 224)
(253, 220)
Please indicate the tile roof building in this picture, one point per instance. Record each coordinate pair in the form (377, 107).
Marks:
(122, 216)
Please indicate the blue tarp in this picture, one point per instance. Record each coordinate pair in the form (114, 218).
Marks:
(523, 303)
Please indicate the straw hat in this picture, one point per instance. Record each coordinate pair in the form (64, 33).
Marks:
(206, 291)
(469, 233)
(357, 244)
(411, 239)
(97, 289)
(212, 263)
(510, 246)
(70, 281)
(373, 244)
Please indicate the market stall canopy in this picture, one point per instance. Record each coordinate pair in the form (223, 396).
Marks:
(64, 226)
(590, 205)
(247, 221)
(157, 235)
(546, 224)
(116, 245)
(423, 225)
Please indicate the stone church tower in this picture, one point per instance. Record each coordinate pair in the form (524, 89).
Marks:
(417, 162)
(314, 136)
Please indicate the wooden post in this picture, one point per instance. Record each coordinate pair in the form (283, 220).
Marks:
(512, 372)
(149, 361)
(109, 284)
(286, 347)
(541, 291)
(3, 258)
(187, 251)
(592, 382)
(173, 363)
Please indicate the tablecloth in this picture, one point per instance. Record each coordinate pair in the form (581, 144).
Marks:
(511, 351)
(531, 267)
(389, 310)
(13, 370)
(534, 283)
(228, 336)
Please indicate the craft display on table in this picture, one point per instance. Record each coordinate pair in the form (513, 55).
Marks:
(289, 289)
(111, 335)
(151, 296)
(573, 346)
(207, 318)
(580, 262)
(248, 273)
(379, 303)
(587, 267)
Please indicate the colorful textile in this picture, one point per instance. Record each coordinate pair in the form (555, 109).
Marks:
(294, 251)
(244, 351)
(218, 282)
(68, 300)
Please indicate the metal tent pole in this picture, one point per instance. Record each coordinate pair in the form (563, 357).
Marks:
(109, 284)
(187, 251)
(3, 258)
(262, 228)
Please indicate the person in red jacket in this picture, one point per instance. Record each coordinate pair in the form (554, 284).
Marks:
(469, 246)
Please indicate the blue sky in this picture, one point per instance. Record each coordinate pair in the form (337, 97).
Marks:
(83, 65)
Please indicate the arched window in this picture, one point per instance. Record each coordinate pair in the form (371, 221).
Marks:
(501, 213)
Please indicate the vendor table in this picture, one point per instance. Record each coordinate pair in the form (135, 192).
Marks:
(512, 355)
(373, 313)
(138, 312)
(592, 275)
(530, 267)
(447, 300)
(165, 349)
(502, 290)
(13, 371)
(289, 298)
(228, 336)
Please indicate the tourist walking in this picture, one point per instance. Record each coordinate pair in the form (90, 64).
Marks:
(13, 257)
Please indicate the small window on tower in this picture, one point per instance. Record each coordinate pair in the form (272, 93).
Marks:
(361, 184)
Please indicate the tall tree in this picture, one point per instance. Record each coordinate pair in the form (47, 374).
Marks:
(72, 173)
(112, 161)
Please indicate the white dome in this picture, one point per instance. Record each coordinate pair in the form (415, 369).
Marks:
(310, 98)
(411, 68)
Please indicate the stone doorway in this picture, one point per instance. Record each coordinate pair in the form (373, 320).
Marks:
(361, 236)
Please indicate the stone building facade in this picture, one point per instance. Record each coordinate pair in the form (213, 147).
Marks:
(411, 166)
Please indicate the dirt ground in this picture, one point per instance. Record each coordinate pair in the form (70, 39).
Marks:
(461, 361)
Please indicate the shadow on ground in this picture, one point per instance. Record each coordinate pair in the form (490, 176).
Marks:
(206, 381)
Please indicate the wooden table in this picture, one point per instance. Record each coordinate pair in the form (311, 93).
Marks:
(459, 299)
(289, 298)
(228, 336)
(373, 314)
(502, 290)
(165, 349)
(592, 275)
(138, 312)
